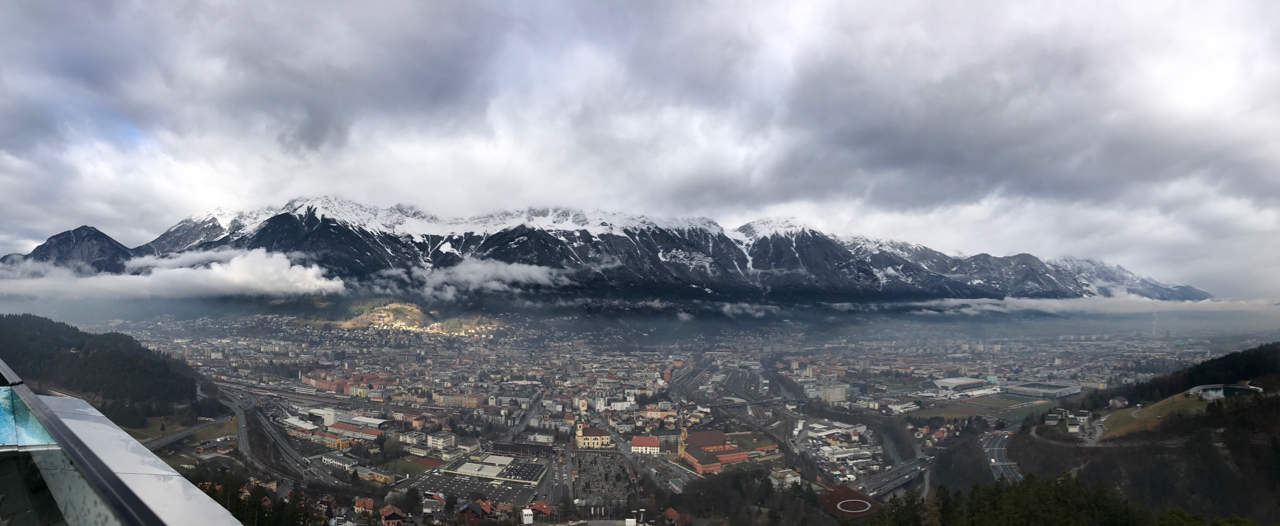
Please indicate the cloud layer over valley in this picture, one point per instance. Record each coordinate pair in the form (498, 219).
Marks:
(217, 274)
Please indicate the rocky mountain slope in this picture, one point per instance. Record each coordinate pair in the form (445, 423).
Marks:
(613, 254)
(85, 249)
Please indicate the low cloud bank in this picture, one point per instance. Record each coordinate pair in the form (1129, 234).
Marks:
(752, 310)
(199, 258)
(483, 275)
(192, 275)
(260, 273)
(1092, 305)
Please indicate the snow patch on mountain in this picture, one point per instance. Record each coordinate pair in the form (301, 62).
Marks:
(770, 226)
(407, 220)
(595, 222)
(863, 246)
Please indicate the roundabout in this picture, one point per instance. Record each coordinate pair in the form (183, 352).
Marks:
(853, 506)
(844, 502)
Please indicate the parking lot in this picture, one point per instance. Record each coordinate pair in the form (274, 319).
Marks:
(464, 486)
(524, 471)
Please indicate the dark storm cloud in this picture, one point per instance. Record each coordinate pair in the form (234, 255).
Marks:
(1144, 134)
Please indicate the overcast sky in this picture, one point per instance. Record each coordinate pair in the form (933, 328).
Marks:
(1146, 135)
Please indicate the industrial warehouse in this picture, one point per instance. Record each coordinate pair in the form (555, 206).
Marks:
(1044, 390)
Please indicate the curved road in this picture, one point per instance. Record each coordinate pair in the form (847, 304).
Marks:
(1159, 443)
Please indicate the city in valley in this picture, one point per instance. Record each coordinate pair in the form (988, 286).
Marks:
(515, 416)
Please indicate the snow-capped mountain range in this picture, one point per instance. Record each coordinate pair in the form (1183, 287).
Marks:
(605, 253)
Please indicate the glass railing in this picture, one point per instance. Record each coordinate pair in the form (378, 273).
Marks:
(48, 475)
(18, 428)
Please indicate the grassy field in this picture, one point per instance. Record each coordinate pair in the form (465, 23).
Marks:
(152, 429)
(1132, 420)
(405, 466)
(950, 410)
(750, 441)
(215, 431)
(1017, 412)
(996, 405)
(180, 461)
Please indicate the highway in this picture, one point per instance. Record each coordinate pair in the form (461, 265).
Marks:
(900, 475)
(996, 445)
(304, 465)
(244, 407)
(163, 441)
(293, 460)
(242, 441)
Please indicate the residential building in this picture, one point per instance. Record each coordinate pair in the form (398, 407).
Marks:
(441, 440)
(645, 445)
(592, 438)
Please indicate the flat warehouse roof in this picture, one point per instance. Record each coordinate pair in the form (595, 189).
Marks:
(497, 460)
(367, 420)
(1037, 385)
(479, 470)
(957, 382)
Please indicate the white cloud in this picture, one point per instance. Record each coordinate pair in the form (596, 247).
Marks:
(227, 273)
(198, 258)
(485, 276)
(751, 310)
(1125, 304)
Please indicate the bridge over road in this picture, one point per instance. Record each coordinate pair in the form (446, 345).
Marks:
(162, 442)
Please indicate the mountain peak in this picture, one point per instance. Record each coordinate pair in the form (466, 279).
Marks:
(772, 226)
(566, 218)
(355, 214)
(83, 247)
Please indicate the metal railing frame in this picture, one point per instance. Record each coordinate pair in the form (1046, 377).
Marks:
(128, 507)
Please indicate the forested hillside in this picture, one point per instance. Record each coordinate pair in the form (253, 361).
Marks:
(125, 380)
(1222, 461)
(748, 497)
(1260, 364)
(1063, 502)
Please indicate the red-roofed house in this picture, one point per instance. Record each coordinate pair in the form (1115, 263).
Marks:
(540, 508)
(645, 445)
(671, 517)
(392, 516)
(357, 432)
